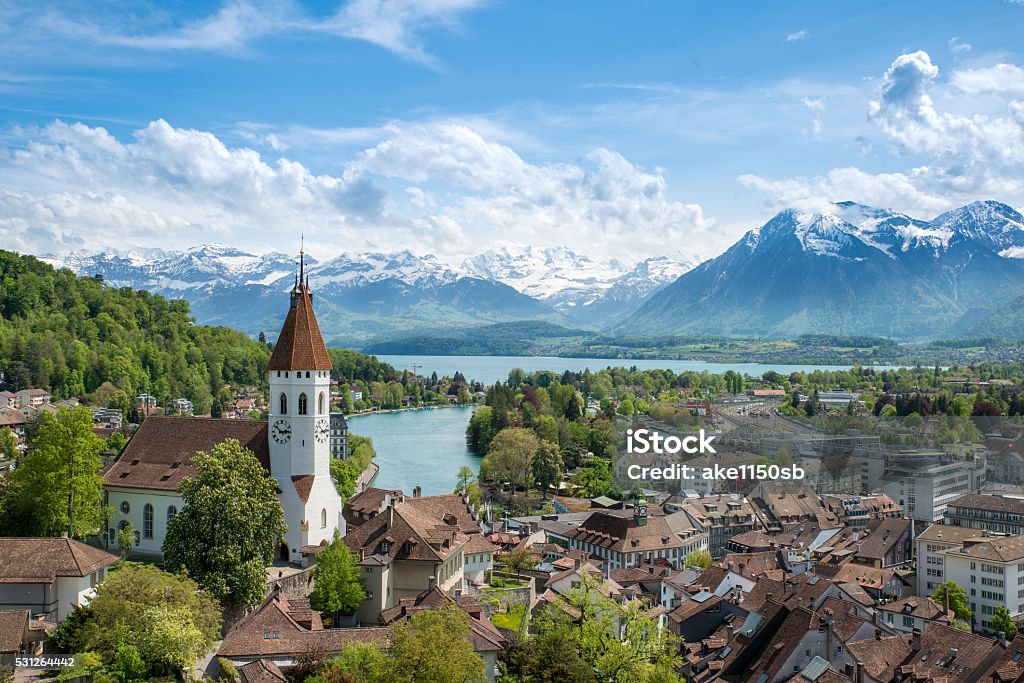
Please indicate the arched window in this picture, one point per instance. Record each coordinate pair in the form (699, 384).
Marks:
(302, 404)
(323, 518)
(147, 521)
(320, 405)
(284, 404)
(172, 512)
(307, 374)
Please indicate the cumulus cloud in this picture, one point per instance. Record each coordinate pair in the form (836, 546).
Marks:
(606, 204)
(169, 184)
(1000, 78)
(795, 36)
(460, 192)
(959, 156)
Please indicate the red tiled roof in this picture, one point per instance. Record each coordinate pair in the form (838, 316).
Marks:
(42, 560)
(300, 346)
(160, 454)
(303, 485)
(13, 629)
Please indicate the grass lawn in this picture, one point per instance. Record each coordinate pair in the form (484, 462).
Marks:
(512, 619)
(500, 583)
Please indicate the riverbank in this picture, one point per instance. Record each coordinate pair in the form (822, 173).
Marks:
(385, 411)
(367, 477)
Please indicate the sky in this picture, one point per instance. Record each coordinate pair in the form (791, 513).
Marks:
(619, 129)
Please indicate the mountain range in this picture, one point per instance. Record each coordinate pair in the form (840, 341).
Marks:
(370, 297)
(851, 270)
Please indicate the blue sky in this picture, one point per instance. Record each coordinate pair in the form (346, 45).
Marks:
(452, 126)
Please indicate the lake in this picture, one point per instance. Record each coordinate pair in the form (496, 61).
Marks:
(425, 447)
(491, 369)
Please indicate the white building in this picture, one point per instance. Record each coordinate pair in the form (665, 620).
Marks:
(992, 573)
(931, 547)
(49, 576)
(923, 486)
(292, 446)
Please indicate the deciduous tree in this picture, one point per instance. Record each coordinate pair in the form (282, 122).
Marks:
(337, 586)
(226, 533)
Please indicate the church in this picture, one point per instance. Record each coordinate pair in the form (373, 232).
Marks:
(292, 445)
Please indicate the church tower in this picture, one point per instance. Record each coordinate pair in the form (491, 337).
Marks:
(300, 427)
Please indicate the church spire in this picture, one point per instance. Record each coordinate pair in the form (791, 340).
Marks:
(300, 346)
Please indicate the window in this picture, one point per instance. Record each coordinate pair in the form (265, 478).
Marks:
(284, 404)
(302, 404)
(320, 405)
(172, 512)
(323, 518)
(307, 374)
(125, 507)
(147, 521)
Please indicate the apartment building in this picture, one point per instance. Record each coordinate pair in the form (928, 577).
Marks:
(931, 547)
(1001, 513)
(992, 573)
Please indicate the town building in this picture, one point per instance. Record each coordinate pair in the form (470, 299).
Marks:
(991, 570)
(1000, 513)
(931, 546)
(924, 484)
(32, 397)
(719, 516)
(415, 544)
(339, 436)
(49, 577)
(293, 446)
(857, 511)
(624, 541)
(914, 612)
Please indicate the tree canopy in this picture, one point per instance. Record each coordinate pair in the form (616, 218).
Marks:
(229, 527)
(337, 586)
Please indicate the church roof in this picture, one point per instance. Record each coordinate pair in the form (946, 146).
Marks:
(160, 454)
(300, 346)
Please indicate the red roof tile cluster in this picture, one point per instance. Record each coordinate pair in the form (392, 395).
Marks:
(42, 560)
(300, 346)
(160, 453)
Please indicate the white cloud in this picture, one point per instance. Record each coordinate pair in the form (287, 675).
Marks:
(460, 192)
(606, 205)
(237, 25)
(966, 156)
(795, 36)
(958, 47)
(1000, 78)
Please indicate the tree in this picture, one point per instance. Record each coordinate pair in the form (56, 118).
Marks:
(519, 559)
(8, 444)
(547, 466)
(337, 586)
(57, 487)
(511, 455)
(783, 457)
(168, 618)
(433, 645)
(465, 477)
(699, 558)
(229, 527)
(126, 539)
(1002, 621)
(361, 662)
(957, 599)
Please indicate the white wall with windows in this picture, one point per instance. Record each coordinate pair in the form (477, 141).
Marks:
(148, 512)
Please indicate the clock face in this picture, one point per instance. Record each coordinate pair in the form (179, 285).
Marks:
(323, 430)
(281, 431)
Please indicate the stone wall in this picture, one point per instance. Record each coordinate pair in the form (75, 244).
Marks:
(527, 595)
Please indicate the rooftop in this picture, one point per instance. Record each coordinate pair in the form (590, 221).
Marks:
(42, 560)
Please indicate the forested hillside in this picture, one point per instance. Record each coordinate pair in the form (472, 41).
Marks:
(70, 334)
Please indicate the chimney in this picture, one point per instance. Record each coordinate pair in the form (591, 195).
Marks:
(730, 631)
(878, 633)
(768, 597)
(417, 491)
(953, 652)
(916, 647)
(431, 582)
(1001, 637)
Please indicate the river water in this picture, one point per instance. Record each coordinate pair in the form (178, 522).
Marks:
(427, 447)
(491, 369)
(424, 447)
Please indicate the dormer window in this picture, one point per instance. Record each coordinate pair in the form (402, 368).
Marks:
(385, 547)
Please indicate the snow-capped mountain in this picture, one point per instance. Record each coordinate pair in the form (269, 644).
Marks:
(588, 291)
(854, 270)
